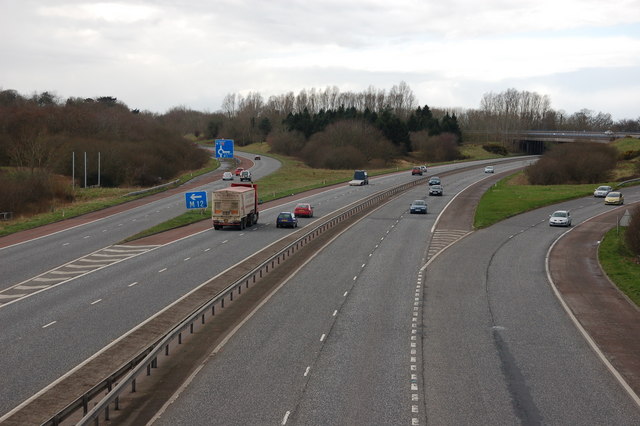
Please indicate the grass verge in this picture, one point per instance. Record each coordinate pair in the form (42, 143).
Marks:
(620, 265)
(508, 198)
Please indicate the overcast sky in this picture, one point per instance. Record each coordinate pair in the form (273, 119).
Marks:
(155, 55)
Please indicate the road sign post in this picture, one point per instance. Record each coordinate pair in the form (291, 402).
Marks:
(196, 200)
(224, 148)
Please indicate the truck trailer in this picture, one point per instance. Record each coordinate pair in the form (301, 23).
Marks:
(235, 206)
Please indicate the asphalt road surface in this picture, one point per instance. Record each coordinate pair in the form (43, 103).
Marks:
(48, 333)
(363, 334)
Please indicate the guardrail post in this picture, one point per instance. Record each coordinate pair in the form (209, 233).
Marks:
(179, 338)
(133, 386)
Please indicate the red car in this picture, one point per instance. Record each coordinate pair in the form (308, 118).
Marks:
(303, 210)
(238, 170)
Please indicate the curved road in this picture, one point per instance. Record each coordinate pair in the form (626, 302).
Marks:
(62, 327)
(364, 334)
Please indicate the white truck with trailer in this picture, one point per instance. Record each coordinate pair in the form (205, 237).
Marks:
(235, 206)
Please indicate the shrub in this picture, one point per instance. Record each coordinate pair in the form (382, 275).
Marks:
(495, 148)
(439, 148)
(573, 163)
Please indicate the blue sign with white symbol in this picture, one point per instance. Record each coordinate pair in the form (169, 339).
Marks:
(196, 200)
(224, 148)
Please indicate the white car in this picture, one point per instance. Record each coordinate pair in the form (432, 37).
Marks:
(602, 191)
(488, 169)
(560, 218)
(227, 176)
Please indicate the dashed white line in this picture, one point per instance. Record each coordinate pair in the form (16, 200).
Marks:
(307, 371)
(345, 294)
(363, 265)
(133, 283)
(207, 249)
(286, 417)
(323, 337)
(96, 301)
(86, 236)
(50, 324)
(335, 313)
(186, 258)
(65, 244)
(162, 270)
(355, 278)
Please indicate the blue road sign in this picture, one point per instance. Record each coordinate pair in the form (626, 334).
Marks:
(196, 200)
(224, 148)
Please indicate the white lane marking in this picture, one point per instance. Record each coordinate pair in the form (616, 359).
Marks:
(162, 270)
(355, 278)
(207, 249)
(187, 258)
(51, 323)
(345, 294)
(96, 301)
(286, 417)
(225, 241)
(307, 371)
(86, 236)
(363, 265)
(335, 312)
(322, 337)
(65, 244)
(133, 283)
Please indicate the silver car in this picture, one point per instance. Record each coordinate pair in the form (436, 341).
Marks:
(435, 190)
(602, 191)
(560, 218)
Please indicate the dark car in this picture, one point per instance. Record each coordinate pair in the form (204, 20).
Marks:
(435, 190)
(257, 157)
(435, 180)
(418, 206)
(286, 220)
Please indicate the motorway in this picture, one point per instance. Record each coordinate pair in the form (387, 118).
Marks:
(381, 329)
(53, 330)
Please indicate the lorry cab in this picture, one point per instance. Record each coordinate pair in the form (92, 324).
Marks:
(360, 177)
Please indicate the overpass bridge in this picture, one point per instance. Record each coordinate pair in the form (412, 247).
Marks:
(537, 141)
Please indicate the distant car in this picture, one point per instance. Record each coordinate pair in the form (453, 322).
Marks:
(416, 171)
(303, 210)
(423, 168)
(360, 177)
(418, 206)
(614, 198)
(286, 220)
(227, 176)
(608, 133)
(238, 170)
(245, 176)
(435, 180)
(257, 157)
(560, 218)
(436, 190)
(488, 169)
(602, 191)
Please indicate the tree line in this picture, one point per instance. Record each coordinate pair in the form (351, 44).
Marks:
(40, 136)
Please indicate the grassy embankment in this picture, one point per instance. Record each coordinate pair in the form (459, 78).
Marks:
(512, 196)
(88, 200)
